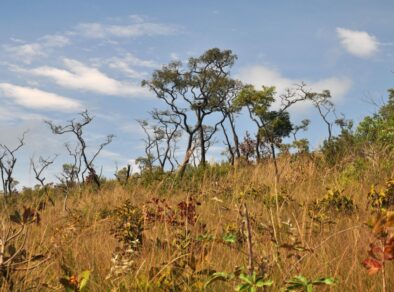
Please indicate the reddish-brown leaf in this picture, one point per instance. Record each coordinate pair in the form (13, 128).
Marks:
(373, 266)
(389, 249)
(375, 251)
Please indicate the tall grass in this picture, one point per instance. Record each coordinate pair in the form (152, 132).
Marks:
(286, 240)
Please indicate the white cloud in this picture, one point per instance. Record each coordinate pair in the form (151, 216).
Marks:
(37, 99)
(358, 43)
(13, 113)
(260, 75)
(127, 64)
(55, 41)
(82, 77)
(138, 29)
(28, 51)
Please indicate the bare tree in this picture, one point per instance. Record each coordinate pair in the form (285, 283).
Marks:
(38, 169)
(76, 128)
(167, 133)
(161, 137)
(7, 164)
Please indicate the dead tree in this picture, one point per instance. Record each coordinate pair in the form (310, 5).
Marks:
(76, 128)
(7, 164)
(160, 139)
(38, 169)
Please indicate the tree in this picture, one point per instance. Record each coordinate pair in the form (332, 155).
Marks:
(272, 125)
(38, 169)
(322, 102)
(76, 128)
(7, 164)
(195, 92)
(379, 128)
(229, 111)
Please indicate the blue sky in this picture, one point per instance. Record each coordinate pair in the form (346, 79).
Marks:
(58, 58)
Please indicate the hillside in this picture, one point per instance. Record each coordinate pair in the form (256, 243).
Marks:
(160, 231)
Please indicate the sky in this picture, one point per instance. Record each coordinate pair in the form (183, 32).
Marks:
(58, 58)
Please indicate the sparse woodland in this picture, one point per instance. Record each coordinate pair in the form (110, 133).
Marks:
(275, 215)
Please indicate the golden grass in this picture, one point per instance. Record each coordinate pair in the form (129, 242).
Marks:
(82, 239)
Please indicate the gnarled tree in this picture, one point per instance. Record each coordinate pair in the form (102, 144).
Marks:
(7, 165)
(76, 128)
(195, 92)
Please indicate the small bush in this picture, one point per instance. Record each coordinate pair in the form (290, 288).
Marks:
(333, 202)
(383, 199)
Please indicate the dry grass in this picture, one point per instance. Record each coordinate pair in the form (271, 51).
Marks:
(82, 239)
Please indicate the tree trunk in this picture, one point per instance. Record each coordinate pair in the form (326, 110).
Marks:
(188, 154)
(202, 145)
(235, 137)
(230, 150)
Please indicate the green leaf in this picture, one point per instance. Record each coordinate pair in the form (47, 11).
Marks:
(262, 283)
(246, 278)
(325, 281)
(242, 287)
(219, 276)
(83, 280)
(230, 238)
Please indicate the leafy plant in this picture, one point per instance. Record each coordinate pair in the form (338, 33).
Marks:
(128, 229)
(381, 249)
(301, 283)
(383, 199)
(129, 224)
(252, 282)
(248, 282)
(332, 203)
(76, 283)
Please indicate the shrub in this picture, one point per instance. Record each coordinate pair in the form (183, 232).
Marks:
(332, 203)
(383, 199)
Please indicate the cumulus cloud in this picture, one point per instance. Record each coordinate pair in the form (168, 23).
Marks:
(99, 30)
(358, 43)
(82, 77)
(38, 99)
(260, 75)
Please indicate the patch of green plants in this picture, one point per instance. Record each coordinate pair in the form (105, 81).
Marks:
(301, 283)
(333, 202)
(383, 198)
(76, 282)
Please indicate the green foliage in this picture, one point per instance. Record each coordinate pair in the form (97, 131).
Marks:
(128, 225)
(378, 128)
(301, 145)
(252, 282)
(353, 171)
(332, 203)
(336, 149)
(76, 283)
(301, 283)
(273, 125)
(247, 282)
(383, 199)
(277, 126)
